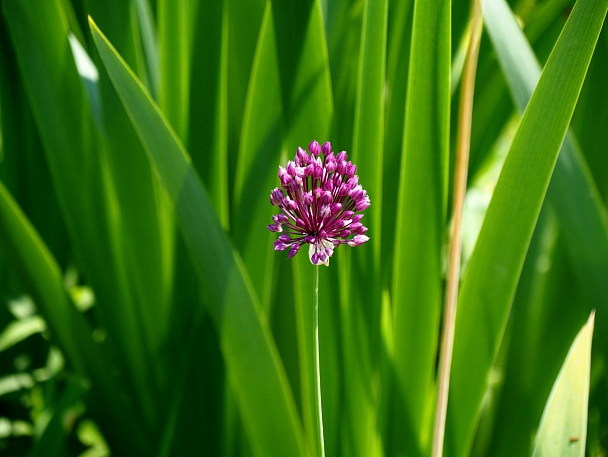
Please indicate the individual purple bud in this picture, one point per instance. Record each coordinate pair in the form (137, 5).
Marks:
(301, 158)
(345, 234)
(275, 228)
(362, 205)
(350, 170)
(357, 218)
(290, 204)
(357, 193)
(286, 180)
(343, 190)
(293, 251)
(314, 148)
(276, 197)
(355, 227)
(358, 240)
(349, 215)
(326, 148)
(340, 224)
(280, 218)
(330, 162)
(326, 197)
(353, 182)
(328, 185)
(336, 207)
(342, 157)
(279, 245)
(362, 230)
(291, 169)
(318, 173)
(307, 198)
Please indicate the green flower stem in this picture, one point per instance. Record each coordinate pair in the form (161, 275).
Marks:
(320, 440)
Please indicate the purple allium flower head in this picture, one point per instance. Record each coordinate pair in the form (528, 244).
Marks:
(319, 198)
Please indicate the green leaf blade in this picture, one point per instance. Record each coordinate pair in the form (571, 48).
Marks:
(491, 278)
(421, 220)
(253, 365)
(563, 427)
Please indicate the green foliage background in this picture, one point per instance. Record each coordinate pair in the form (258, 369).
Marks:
(146, 312)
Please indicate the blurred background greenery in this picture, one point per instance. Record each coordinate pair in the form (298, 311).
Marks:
(143, 310)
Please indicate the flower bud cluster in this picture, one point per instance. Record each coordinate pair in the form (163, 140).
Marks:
(319, 197)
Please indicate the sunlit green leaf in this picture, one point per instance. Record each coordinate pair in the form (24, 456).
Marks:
(563, 428)
(255, 371)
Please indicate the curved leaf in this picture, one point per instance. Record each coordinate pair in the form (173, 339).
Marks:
(491, 278)
(254, 368)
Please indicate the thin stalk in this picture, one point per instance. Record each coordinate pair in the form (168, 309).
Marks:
(320, 439)
(465, 110)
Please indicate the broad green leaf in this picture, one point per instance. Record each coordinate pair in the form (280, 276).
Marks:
(493, 271)
(494, 106)
(579, 208)
(206, 99)
(368, 138)
(253, 365)
(175, 27)
(563, 427)
(344, 27)
(397, 64)
(532, 356)
(147, 27)
(243, 32)
(146, 248)
(361, 313)
(304, 67)
(421, 220)
(258, 161)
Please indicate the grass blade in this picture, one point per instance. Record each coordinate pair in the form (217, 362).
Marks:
(581, 213)
(361, 315)
(253, 365)
(421, 219)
